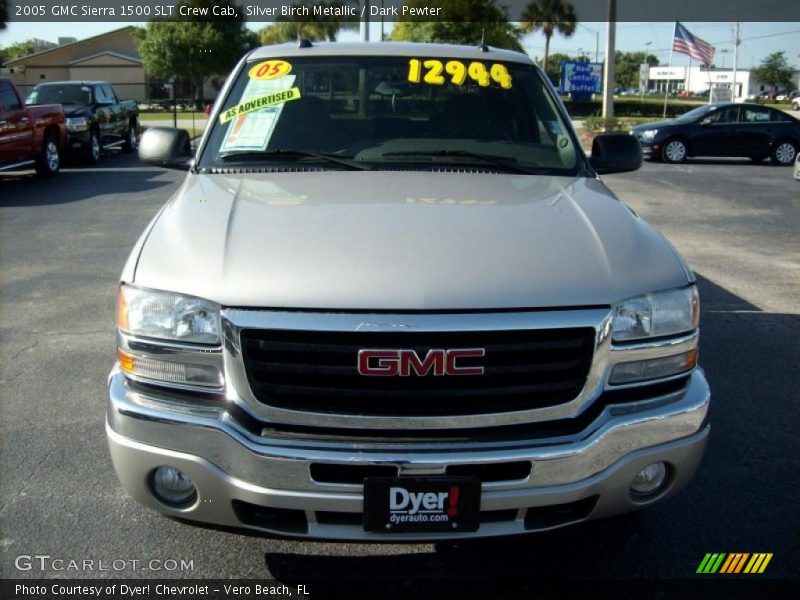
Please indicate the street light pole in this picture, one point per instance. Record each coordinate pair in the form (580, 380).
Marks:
(608, 71)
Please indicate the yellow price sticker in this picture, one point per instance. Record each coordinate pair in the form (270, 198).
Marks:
(269, 69)
(259, 103)
(437, 72)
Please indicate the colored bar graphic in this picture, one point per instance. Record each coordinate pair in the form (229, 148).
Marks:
(729, 562)
(734, 562)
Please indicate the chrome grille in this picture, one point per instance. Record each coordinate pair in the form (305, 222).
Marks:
(316, 371)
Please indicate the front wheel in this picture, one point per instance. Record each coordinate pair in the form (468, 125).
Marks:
(130, 139)
(784, 153)
(49, 160)
(674, 151)
(94, 149)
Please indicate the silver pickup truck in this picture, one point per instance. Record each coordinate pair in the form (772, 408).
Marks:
(392, 300)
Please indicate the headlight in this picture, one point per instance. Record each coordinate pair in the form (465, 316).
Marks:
(648, 134)
(657, 314)
(168, 316)
(77, 124)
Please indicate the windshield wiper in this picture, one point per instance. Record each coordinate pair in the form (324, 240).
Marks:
(510, 164)
(287, 153)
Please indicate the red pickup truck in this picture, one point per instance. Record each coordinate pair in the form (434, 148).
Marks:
(30, 135)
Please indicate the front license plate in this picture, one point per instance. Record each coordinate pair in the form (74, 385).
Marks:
(393, 505)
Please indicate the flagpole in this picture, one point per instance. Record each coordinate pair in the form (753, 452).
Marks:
(671, 49)
(688, 80)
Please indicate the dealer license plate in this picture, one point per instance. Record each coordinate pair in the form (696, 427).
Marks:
(402, 505)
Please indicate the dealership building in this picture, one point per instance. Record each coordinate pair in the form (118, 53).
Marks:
(698, 80)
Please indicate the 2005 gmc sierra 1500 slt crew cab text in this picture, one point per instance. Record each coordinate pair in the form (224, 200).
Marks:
(392, 300)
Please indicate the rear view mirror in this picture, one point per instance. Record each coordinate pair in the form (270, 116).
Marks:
(166, 147)
(615, 153)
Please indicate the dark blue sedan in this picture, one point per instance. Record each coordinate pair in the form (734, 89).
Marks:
(748, 130)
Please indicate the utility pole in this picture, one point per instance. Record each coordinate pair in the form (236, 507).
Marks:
(597, 45)
(608, 71)
(736, 42)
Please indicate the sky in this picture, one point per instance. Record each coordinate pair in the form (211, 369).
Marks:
(758, 39)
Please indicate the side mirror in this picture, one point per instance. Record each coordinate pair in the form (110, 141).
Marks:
(615, 153)
(166, 147)
(706, 121)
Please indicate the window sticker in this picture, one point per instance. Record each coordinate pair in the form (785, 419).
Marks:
(269, 69)
(437, 72)
(252, 121)
(255, 104)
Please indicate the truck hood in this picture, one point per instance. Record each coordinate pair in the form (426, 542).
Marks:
(402, 240)
(77, 110)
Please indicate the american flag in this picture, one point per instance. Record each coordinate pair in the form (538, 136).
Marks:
(686, 43)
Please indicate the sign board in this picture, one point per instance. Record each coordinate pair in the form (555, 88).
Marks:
(720, 93)
(581, 78)
(668, 73)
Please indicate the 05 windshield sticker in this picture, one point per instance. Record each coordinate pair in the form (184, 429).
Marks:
(269, 69)
(252, 121)
(438, 72)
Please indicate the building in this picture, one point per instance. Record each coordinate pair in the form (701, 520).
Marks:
(110, 56)
(698, 80)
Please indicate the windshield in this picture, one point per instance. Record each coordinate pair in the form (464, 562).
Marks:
(60, 94)
(391, 112)
(695, 114)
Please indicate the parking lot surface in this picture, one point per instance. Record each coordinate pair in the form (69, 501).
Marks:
(63, 243)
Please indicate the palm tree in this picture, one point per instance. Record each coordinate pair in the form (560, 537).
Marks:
(286, 29)
(549, 16)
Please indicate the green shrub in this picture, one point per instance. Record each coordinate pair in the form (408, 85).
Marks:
(596, 124)
(633, 107)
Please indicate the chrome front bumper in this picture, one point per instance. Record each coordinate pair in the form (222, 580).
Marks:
(232, 465)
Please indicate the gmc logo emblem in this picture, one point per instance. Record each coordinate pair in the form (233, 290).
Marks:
(392, 363)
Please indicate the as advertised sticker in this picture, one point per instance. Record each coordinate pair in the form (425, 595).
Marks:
(269, 69)
(259, 103)
(438, 72)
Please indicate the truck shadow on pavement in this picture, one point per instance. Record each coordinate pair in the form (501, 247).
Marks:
(118, 174)
(743, 497)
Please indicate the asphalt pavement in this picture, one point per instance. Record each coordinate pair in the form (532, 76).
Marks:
(62, 246)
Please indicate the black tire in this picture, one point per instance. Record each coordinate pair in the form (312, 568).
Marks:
(48, 163)
(784, 152)
(674, 151)
(130, 139)
(95, 150)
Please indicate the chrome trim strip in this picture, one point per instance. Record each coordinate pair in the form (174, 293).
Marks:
(17, 165)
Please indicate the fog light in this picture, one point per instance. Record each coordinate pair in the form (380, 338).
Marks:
(649, 480)
(173, 487)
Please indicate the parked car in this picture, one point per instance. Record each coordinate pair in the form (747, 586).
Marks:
(29, 135)
(747, 130)
(796, 103)
(96, 118)
(414, 314)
